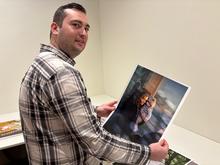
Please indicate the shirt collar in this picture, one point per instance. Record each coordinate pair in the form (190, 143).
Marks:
(57, 52)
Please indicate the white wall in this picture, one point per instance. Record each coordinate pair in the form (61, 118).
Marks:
(24, 25)
(177, 38)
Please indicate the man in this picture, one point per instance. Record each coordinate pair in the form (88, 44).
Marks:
(59, 123)
(144, 111)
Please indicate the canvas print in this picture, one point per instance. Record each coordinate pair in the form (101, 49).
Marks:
(174, 158)
(147, 107)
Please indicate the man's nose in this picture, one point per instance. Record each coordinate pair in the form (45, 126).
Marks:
(83, 31)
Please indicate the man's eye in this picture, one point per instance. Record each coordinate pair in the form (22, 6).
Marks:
(86, 29)
(77, 25)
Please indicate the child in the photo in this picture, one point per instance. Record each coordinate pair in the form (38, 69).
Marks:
(145, 108)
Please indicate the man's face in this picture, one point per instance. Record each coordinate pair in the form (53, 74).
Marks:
(143, 99)
(151, 102)
(72, 36)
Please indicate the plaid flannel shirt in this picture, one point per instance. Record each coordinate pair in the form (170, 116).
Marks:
(59, 123)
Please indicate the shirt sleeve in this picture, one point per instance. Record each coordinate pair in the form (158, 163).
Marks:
(68, 99)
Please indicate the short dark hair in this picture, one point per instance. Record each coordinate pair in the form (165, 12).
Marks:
(60, 14)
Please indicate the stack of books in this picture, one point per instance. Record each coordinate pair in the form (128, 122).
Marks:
(10, 127)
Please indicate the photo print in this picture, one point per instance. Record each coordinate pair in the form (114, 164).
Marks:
(147, 107)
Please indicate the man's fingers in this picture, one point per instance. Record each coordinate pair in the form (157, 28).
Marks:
(112, 103)
(163, 142)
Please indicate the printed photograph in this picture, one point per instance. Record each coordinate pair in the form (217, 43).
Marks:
(192, 163)
(147, 106)
(173, 158)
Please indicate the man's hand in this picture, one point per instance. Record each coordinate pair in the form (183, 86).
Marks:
(105, 109)
(159, 150)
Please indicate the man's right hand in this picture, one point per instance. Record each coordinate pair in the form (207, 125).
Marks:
(159, 150)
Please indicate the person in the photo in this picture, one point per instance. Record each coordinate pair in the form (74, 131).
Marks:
(60, 125)
(144, 112)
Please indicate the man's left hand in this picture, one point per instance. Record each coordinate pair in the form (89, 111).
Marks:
(105, 109)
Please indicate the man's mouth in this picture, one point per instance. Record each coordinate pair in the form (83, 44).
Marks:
(80, 42)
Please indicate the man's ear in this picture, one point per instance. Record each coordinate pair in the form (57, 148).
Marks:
(54, 28)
